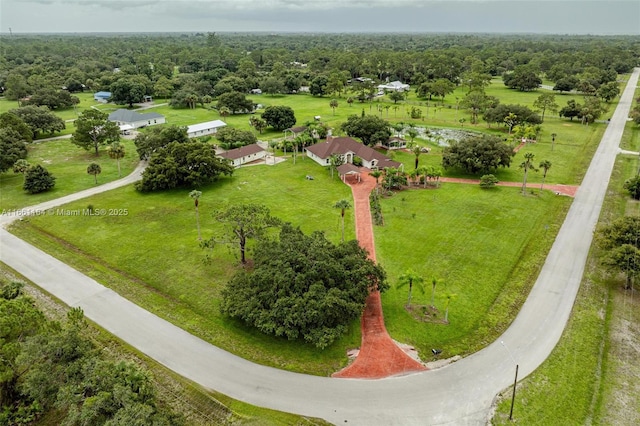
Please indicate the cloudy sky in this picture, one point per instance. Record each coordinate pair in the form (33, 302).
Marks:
(487, 16)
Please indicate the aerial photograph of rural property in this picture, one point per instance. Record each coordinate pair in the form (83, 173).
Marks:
(296, 212)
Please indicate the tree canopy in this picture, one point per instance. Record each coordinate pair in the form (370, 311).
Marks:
(303, 287)
(155, 138)
(236, 102)
(370, 129)
(40, 120)
(94, 129)
(38, 179)
(189, 164)
(12, 148)
(52, 368)
(279, 117)
(621, 241)
(477, 154)
(127, 91)
(231, 138)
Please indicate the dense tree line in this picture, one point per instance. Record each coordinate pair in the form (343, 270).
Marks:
(50, 368)
(197, 68)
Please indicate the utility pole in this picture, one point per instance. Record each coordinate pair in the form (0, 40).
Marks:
(515, 380)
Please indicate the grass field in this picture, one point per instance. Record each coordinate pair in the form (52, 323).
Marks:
(68, 163)
(122, 251)
(152, 255)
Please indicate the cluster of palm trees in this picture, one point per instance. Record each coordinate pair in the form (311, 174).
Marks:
(427, 175)
(410, 278)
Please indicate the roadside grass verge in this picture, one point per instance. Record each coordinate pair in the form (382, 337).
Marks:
(484, 247)
(593, 374)
(68, 163)
(199, 406)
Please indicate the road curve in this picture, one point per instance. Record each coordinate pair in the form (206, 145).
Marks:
(459, 394)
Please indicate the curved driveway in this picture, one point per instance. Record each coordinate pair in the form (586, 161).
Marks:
(461, 393)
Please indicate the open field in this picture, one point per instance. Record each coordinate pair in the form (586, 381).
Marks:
(68, 163)
(160, 228)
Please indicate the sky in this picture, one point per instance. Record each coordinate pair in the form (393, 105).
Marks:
(600, 17)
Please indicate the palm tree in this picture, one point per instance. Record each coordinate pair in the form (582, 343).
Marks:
(449, 297)
(116, 151)
(434, 282)
(412, 133)
(195, 195)
(545, 165)
(333, 104)
(553, 140)
(224, 111)
(417, 150)
(410, 277)
(527, 165)
(94, 169)
(343, 205)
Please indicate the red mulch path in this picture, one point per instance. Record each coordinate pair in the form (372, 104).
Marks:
(379, 356)
(568, 190)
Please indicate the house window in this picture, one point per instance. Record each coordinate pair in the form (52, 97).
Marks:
(327, 161)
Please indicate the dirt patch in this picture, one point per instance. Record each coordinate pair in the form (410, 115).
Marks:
(426, 313)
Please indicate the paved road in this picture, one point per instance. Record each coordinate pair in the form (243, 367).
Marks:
(460, 393)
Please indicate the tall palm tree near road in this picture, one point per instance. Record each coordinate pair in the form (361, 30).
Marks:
(116, 151)
(94, 169)
(343, 205)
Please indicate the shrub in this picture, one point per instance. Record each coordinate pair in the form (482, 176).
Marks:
(38, 179)
(488, 181)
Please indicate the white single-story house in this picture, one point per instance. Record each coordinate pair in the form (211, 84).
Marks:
(245, 154)
(123, 117)
(203, 129)
(349, 148)
(395, 142)
(102, 97)
(394, 86)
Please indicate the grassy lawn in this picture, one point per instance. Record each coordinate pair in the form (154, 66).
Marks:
(68, 163)
(490, 270)
(593, 375)
(152, 255)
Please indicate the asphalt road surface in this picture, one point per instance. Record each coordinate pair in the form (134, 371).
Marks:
(461, 393)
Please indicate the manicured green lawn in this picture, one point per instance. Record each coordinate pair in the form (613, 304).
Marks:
(485, 246)
(152, 255)
(68, 163)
